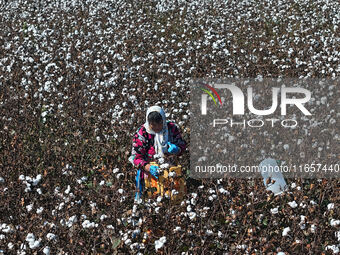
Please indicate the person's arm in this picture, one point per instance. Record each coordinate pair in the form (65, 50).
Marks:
(177, 138)
(138, 155)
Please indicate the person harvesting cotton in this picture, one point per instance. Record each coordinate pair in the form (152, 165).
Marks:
(156, 138)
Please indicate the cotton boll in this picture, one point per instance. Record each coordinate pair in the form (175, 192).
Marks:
(172, 174)
(39, 210)
(274, 210)
(334, 222)
(285, 231)
(50, 236)
(173, 192)
(330, 206)
(293, 204)
(177, 229)
(10, 245)
(46, 250)
(313, 228)
(119, 175)
(29, 207)
(209, 232)
(192, 215)
(68, 189)
(159, 243)
(103, 217)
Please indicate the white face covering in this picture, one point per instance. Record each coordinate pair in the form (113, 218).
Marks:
(161, 138)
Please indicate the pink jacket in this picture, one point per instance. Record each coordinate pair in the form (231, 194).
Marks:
(143, 149)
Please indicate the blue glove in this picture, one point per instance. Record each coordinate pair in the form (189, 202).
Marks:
(154, 171)
(173, 148)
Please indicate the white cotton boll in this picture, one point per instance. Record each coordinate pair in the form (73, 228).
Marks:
(172, 174)
(293, 204)
(120, 191)
(285, 231)
(102, 183)
(188, 208)
(192, 215)
(164, 166)
(35, 244)
(39, 210)
(159, 199)
(281, 253)
(293, 185)
(23, 247)
(5, 228)
(286, 146)
(209, 232)
(334, 222)
(177, 229)
(103, 217)
(50, 236)
(46, 250)
(211, 191)
(159, 243)
(61, 206)
(223, 191)
(30, 237)
(28, 178)
(29, 207)
(173, 192)
(274, 210)
(39, 191)
(119, 175)
(37, 180)
(302, 218)
(313, 202)
(86, 224)
(330, 206)
(22, 177)
(72, 219)
(337, 235)
(2, 180)
(313, 228)
(10, 245)
(68, 189)
(333, 247)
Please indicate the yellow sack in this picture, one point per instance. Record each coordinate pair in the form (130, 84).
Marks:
(165, 184)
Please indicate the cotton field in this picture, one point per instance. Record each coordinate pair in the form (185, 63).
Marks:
(76, 79)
